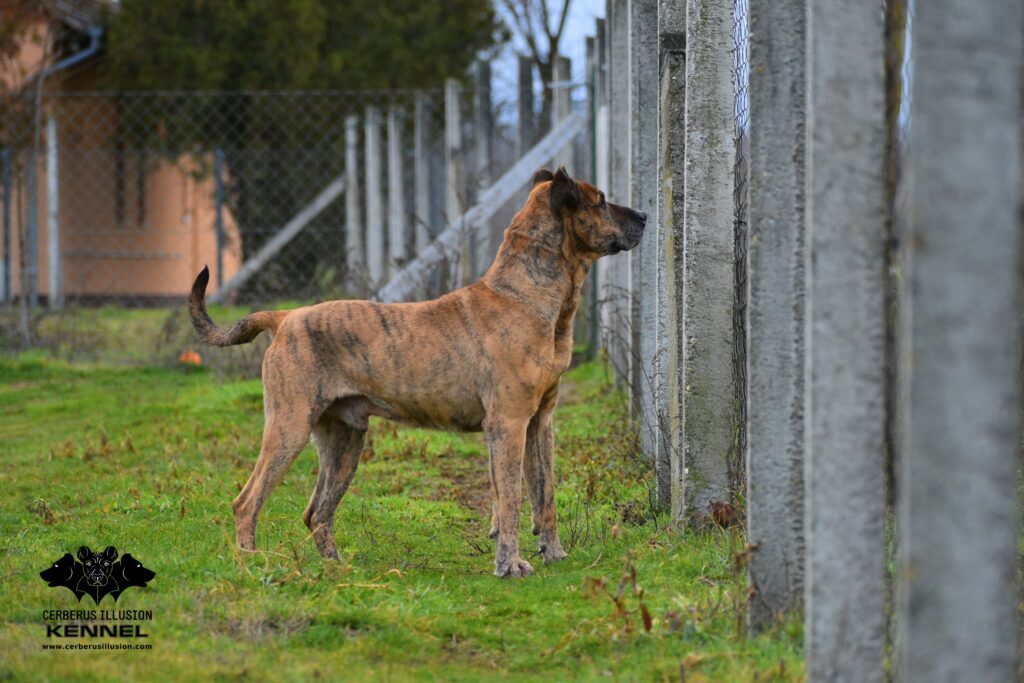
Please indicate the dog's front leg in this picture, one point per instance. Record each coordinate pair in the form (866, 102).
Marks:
(539, 467)
(506, 439)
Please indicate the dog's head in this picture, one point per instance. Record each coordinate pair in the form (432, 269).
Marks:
(97, 565)
(132, 573)
(599, 227)
(61, 572)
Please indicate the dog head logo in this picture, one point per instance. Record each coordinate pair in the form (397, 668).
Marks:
(97, 574)
(97, 565)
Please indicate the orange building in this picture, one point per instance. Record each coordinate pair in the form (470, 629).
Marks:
(130, 225)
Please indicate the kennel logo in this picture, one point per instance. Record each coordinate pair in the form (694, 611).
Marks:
(97, 574)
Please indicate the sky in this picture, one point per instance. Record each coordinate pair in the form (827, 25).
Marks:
(578, 25)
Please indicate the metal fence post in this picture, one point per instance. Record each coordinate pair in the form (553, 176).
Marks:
(355, 245)
(775, 309)
(376, 252)
(960, 372)
(5, 264)
(54, 279)
(845, 409)
(218, 179)
(397, 223)
(30, 249)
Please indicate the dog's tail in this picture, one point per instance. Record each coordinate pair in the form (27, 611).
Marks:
(242, 332)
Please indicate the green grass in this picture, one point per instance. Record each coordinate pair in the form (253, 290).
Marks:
(149, 459)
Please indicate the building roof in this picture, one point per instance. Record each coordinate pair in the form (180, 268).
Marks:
(80, 14)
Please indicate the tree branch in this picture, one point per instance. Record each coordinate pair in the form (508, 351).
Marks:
(561, 23)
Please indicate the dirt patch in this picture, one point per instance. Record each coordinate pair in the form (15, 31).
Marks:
(258, 626)
(470, 485)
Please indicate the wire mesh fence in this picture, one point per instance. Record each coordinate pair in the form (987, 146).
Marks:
(741, 80)
(152, 186)
(120, 198)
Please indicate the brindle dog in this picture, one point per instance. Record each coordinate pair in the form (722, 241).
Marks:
(485, 357)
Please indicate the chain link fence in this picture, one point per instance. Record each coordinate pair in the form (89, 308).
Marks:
(741, 80)
(152, 186)
(115, 200)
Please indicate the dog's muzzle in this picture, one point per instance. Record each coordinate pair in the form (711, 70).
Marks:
(633, 226)
(97, 577)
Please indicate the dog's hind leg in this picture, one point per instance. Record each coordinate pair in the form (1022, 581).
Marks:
(339, 447)
(539, 468)
(284, 437)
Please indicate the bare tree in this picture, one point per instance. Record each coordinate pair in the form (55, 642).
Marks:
(532, 20)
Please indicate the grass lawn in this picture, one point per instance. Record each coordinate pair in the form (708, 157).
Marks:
(149, 459)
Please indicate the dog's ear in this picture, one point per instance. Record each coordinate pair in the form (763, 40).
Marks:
(565, 193)
(110, 552)
(84, 553)
(542, 175)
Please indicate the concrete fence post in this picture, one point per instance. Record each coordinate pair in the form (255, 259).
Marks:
(525, 124)
(398, 224)
(376, 252)
(483, 239)
(55, 295)
(526, 118)
(845, 222)
(355, 245)
(454, 176)
(776, 309)
(602, 163)
(617, 324)
(602, 169)
(643, 147)
(710, 414)
(561, 100)
(587, 325)
(423, 211)
(671, 171)
(960, 389)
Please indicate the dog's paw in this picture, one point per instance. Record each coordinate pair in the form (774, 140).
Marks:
(552, 552)
(330, 553)
(516, 568)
